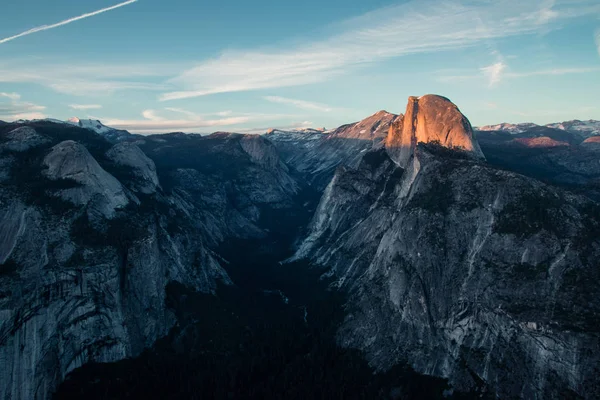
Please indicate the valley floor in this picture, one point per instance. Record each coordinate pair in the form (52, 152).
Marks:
(270, 336)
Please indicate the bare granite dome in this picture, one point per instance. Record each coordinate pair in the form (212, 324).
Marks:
(23, 139)
(72, 161)
(130, 155)
(430, 118)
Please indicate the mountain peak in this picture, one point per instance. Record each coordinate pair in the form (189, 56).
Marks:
(508, 127)
(430, 118)
(92, 124)
(382, 113)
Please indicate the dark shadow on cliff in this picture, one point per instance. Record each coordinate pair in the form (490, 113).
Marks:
(269, 336)
(571, 167)
(246, 341)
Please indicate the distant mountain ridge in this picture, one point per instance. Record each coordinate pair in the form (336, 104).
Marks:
(585, 129)
(91, 124)
(94, 125)
(316, 154)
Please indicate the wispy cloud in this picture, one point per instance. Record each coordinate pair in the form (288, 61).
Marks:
(83, 87)
(414, 27)
(64, 22)
(89, 79)
(25, 116)
(195, 115)
(154, 122)
(85, 106)
(151, 115)
(16, 109)
(551, 115)
(553, 71)
(306, 105)
(540, 116)
(12, 96)
(598, 41)
(171, 125)
(494, 73)
(182, 111)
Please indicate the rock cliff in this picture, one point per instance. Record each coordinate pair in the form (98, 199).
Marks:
(315, 155)
(128, 154)
(89, 239)
(430, 118)
(70, 161)
(467, 272)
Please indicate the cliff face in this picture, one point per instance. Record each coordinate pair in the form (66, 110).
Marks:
(92, 233)
(316, 155)
(129, 155)
(467, 272)
(430, 118)
(70, 161)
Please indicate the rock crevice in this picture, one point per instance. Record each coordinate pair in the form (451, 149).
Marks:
(430, 119)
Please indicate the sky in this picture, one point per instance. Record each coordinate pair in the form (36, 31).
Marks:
(154, 66)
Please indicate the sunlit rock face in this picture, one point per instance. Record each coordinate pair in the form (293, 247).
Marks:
(543, 142)
(430, 118)
(468, 272)
(592, 142)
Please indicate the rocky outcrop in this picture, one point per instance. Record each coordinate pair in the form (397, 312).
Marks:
(11, 228)
(467, 272)
(506, 127)
(109, 133)
(82, 278)
(245, 170)
(71, 161)
(552, 155)
(430, 118)
(85, 258)
(22, 139)
(129, 155)
(72, 294)
(542, 141)
(261, 151)
(592, 143)
(585, 129)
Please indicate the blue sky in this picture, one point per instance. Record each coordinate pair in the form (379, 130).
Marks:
(195, 66)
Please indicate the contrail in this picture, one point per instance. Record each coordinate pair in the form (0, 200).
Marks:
(65, 22)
